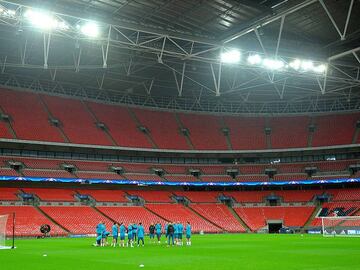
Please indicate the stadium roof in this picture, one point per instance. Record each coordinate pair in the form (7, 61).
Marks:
(166, 53)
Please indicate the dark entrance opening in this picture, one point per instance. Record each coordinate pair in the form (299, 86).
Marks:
(274, 226)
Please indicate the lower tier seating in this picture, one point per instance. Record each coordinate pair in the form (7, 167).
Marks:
(131, 214)
(220, 215)
(77, 219)
(256, 217)
(179, 213)
(28, 221)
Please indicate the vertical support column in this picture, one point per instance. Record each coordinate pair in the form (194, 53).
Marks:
(105, 51)
(47, 40)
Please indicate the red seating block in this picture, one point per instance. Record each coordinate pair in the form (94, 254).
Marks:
(163, 128)
(220, 215)
(205, 131)
(9, 194)
(105, 195)
(77, 122)
(153, 196)
(179, 213)
(28, 221)
(30, 120)
(122, 127)
(199, 196)
(77, 219)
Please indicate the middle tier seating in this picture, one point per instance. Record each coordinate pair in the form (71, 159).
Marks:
(52, 194)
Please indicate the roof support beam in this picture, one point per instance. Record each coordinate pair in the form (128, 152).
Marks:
(266, 20)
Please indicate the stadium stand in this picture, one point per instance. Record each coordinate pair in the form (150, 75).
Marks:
(29, 118)
(98, 175)
(4, 132)
(78, 124)
(205, 131)
(77, 219)
(163, 128)
(131, 214)
(220, 215)
(105, 195)
(9, 194)
(28, 221)
(180, 213)
(151, 196)
(256, 217)
(288, 132)
(52, 194)
(199, 197)
(122, 127)
(334, 129)
(47, 173)
(246, 133)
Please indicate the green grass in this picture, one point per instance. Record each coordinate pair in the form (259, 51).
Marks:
(246, 251)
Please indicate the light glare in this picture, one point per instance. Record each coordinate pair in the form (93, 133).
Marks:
(254, 59)
(44, 20)
(90, 29)
(273, 64)
(232, 56)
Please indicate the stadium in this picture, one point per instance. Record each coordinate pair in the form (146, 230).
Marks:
(231, 126)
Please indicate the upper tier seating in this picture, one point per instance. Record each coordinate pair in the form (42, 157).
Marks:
(122, 127)
(345, 194)
(105, 195)
(288, 132)
(30, 113)
(77, 219)
(4, 132)
(9, 194)
(246, 133)
(220, 215)
(256, 217)
(52, 194)
(77, 123)
(334, 129)
(179, 213)
(28, 221)
(30, 119)
(131, 214)
(163, 128)
(205, 131)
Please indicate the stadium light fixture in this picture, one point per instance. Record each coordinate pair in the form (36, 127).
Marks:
(44, 20)
(7, 12)
(320, 68)
(254, 59)
(273, 63)
(90, 29)
(231, 56)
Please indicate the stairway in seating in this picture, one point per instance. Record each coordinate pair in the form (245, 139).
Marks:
(156, 214)
(313, 215)
(202, 217)
(239, 219)
(181, 126)
(107, 133)
(227, 137)
(59, 128)
(138, 124)
(50, 218)
(9, 126)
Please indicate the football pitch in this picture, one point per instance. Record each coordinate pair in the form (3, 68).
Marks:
(238, 251)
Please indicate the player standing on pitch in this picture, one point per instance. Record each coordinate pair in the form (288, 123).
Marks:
(158, 231)
(152, 233)
(188, 234)
(115, 233)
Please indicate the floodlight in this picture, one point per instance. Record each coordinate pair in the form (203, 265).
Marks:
(307, 65)
(232, 56)
(254, 59)
(320, 68)
(296, 64)
(273, 64)
(90, 29)
(44, 20)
